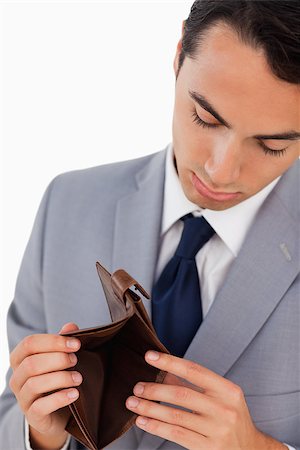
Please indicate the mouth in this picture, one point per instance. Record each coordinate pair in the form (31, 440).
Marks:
(205, 191)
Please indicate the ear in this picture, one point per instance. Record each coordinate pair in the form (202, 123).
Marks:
(178, 50)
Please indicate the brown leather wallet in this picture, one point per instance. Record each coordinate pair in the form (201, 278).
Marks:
(111, 361)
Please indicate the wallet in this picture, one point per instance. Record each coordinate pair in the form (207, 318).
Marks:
(111, 360)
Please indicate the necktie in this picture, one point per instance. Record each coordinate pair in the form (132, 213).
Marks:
(176, 296)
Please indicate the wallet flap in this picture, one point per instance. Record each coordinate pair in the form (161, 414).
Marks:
(121, 281)
(117, 307)
(140, 308)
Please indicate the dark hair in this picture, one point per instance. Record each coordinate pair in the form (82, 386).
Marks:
(271, 25)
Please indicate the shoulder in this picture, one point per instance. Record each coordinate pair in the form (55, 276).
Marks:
(108, 180)
(116, 176)
(88, 193)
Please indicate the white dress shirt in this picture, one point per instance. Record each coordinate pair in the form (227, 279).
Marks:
(27, 442)
(215, 257)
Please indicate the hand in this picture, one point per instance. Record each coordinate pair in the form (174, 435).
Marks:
(217, 416)
(39, 362)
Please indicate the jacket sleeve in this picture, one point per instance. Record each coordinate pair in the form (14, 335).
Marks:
(26, 316)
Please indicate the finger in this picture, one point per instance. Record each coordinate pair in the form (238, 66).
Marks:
(41, 363)
(42, 407)
(37, 386)
(174, 433)
(196, 374)
(174, 416)
(41, 343)
(70, 326)
(179, 396)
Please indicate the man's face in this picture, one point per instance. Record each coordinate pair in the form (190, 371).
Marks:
(224, 165)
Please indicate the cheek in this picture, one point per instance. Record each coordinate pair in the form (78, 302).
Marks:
(183, 125)
(272, 167)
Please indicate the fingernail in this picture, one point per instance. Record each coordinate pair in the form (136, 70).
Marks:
(142, 420)
(152, 355)
(138, 388)
(72, 343)
(72, 394)
(132, 402)
(77, 378)
(73, 358)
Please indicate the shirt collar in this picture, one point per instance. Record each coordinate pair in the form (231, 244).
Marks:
(231, 224)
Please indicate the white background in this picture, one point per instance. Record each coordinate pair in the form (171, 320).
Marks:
(84, 83)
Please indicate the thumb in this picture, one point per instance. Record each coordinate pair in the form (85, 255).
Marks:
(70, 326)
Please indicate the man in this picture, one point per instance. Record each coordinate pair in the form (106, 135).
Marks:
(233, 161)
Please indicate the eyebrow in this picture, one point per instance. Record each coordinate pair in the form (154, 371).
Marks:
(201, 100)
(289, 135)
(204, 103)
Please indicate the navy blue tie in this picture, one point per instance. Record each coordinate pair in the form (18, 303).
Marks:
(176, 296)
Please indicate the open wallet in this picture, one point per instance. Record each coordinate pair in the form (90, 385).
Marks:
(111, 360)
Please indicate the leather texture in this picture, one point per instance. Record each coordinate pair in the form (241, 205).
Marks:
(111, 361)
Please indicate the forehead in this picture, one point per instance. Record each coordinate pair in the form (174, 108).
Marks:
(238, 81)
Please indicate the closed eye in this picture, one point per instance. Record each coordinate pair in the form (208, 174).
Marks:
(267, 150)
(271, 151)
(202, 123)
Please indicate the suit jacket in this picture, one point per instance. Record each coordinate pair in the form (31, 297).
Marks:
(112, 213)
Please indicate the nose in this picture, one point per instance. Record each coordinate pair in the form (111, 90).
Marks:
(223, 164)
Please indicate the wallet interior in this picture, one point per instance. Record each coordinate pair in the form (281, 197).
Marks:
(111, 363)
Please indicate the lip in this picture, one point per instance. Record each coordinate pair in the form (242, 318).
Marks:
(206, 192)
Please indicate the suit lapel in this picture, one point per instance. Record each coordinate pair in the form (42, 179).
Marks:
(137, 225)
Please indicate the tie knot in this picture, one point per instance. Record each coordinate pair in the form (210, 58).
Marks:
(196, 233)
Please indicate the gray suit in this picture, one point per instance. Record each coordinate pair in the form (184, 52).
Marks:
(112, 213)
